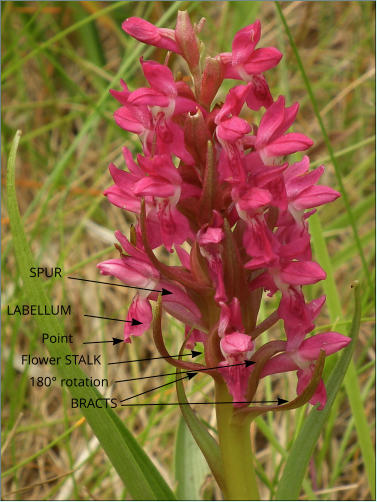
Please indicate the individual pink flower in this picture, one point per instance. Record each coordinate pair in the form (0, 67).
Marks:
(163, 93)
(231, 130)
(121, 194)
(270, 142)
(247, 63)
(164, 184)
(245, 59)
(134, 269)
(149, 111)
(236, 348)
(302, 191)
(158, 181)
(194, 336)
(303, 358)
(298, 315)
(229, 126)
(282, 261)
(155, 130)
(209, 239)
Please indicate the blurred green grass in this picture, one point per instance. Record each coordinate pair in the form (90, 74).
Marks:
(59, 60)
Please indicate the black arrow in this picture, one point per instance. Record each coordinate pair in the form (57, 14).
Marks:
(163, 291)
(114, 341)
(246, 364)
(279, 401)
(194, 353)
(189, 376)
(134, 322)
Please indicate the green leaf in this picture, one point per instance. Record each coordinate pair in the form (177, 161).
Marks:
(203, 438)
(303, 447)
(133, 465)
(191, 467)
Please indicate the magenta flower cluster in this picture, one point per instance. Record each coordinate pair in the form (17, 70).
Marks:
(215, 187)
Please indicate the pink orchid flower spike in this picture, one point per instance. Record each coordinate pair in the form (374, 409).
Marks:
(220, 212)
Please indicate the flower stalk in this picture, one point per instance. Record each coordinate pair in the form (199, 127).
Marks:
(236, 453)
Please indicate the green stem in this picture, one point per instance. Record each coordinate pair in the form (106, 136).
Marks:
(235, 446)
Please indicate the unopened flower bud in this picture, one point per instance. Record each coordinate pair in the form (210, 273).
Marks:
(186, 39)
(211, 80)
(196, 137)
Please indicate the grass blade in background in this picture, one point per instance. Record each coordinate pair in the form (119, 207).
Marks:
(133, 465)
(302, 449)
(326, 139)
(333, 300)
(191, 467)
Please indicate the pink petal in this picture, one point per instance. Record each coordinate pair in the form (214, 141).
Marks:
(131, 164)
(259, 94)
(244, 42)
(185, 105)
(289, 117)
(320, 396)
(279, 364)
(184, 257)
(289, 143)
(297, 169)
(130, 271)
(236, 344)
(121, 199)
(302, 272)
(121, 96)
(154, 187)
(315, 196)
(141, 310)
(211, 236)
(129, 248)
(270, 121)
(170, 139)
(174, 226)
(236, 378)
(148, 96)
(262, 60)
(122, 179)
(189, 190)
(160, 77)
(195, 337)
(300, 183)
(254, 198)
(315, 306)
(264, 281)
(233, 129)
(330, 342)
(129, 119)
